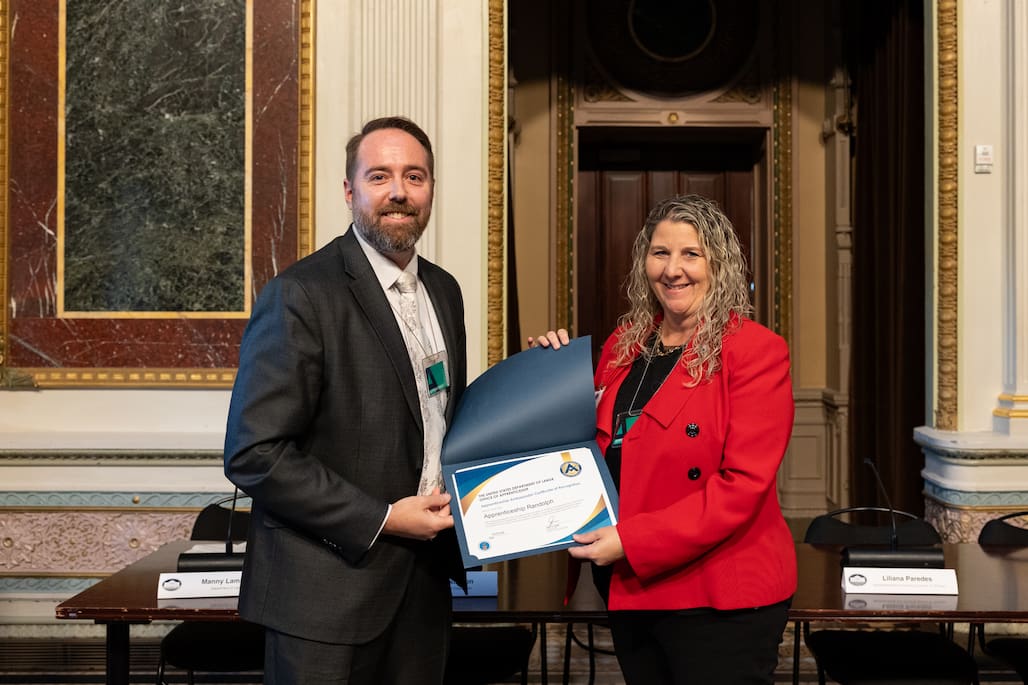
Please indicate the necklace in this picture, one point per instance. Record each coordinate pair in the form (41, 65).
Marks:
(659, 349)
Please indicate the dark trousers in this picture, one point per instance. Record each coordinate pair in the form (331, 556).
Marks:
(699, 647)
(412, 649)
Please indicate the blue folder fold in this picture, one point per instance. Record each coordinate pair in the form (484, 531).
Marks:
(537, 401)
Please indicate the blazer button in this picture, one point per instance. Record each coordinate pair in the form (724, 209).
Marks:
(692, 430)
(694, 473)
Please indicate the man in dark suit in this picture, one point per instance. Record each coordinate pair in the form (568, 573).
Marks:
(334, 430)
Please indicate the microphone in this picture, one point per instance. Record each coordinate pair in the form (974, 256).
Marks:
(893, 539)
(232, 512)
(893, 556)
(227, 560)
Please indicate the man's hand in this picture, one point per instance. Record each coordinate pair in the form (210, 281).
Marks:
(552, 339)
(419, 517)
(601, 546)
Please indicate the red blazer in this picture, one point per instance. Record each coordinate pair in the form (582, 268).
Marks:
(699, 517)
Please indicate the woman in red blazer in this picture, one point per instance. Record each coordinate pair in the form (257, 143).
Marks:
(694, 414)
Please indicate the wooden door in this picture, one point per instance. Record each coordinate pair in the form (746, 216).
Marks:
(623, 173)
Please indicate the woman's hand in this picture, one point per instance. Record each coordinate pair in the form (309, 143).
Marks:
(552, 339)
(601, 546)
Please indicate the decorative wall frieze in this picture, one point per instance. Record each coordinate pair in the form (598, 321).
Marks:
(956, 525)
(108, 457)
(84, 543)
(139, 501)
(51, 587)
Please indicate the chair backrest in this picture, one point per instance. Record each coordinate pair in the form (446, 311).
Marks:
(829, 529)
(999, 532)
(213, 521)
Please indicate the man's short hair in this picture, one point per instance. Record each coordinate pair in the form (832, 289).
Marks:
(401, 123)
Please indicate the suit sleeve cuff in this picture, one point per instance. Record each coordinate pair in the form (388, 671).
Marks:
(389, 510)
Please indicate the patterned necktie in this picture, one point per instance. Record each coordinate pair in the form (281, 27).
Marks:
(433, 407)
(407, 285)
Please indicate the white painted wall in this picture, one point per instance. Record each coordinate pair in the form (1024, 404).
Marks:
(983, 206)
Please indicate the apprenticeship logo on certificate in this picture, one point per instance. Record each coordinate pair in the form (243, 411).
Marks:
(531, 504)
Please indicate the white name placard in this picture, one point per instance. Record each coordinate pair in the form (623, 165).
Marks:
(899, 581)
(199, 584)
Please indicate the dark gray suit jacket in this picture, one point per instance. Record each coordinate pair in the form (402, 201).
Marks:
(324, 431)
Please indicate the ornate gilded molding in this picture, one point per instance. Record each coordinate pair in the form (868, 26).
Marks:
(15, 379)
(780, 316)
(947, 61)
(305, 154)
(496, 170)
(132, 378)
(564, 126)
(5, 103)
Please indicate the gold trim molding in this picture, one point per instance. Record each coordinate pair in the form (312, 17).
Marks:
(947, 61)
(131, 378)
(781, 224)
(5, 88)
(565, 203)
(497, 199)
(305, 137)
(1010, 413)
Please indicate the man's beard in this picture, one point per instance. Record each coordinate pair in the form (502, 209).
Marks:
(395, 239)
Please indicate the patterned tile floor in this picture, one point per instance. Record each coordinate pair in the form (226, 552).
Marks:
(80, 663)
(607, 672)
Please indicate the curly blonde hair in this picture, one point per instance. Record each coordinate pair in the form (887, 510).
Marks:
(727, 298)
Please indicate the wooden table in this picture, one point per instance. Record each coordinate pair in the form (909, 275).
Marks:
(993, 588)
(130, 596)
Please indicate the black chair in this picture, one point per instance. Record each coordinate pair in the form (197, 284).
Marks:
(856, 657)
(1000, 535)
(214, 646)
(589, 646)
(483, 654)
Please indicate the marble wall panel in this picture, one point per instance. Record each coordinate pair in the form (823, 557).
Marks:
(154, 156)
(38, 336)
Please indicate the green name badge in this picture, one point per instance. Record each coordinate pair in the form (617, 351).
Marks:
(624, 423)
(437, 375)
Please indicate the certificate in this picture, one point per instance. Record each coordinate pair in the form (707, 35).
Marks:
(530, 504)
(520, 457)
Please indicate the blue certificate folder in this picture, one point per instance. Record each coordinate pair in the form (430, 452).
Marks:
(534, 403)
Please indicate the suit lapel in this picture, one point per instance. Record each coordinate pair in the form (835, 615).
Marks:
(367, 292)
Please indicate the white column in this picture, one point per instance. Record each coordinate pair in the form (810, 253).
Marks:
(1011, 415)
(427, 60)
(374, 58)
